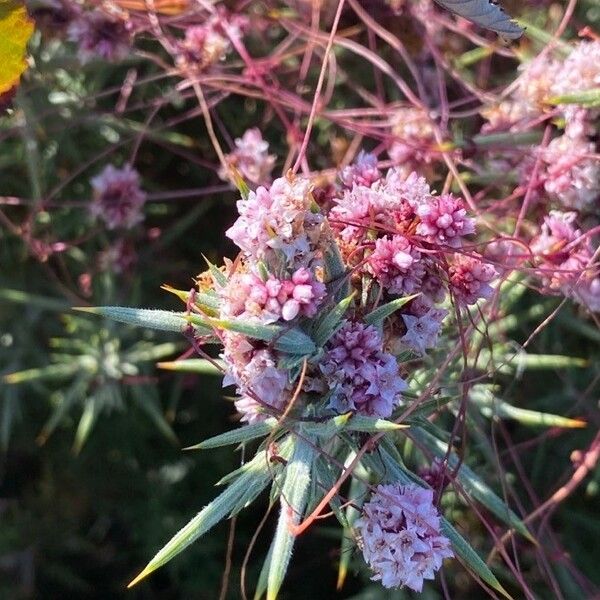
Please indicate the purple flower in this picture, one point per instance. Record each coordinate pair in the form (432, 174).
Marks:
(470, 278)
(444, 220)
(118, 199)
(278, 224)
(251, 158)
(397, 265)
(422, 331)
(99, 35)
(363, 378)
(401, 536)
(363, 171)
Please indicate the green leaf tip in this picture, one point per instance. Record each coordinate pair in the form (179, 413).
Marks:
(147, 571)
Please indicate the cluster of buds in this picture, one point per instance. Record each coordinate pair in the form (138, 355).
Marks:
(394, 229)
(247, 295)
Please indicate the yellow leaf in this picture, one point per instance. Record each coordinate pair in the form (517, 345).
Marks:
(15, 30)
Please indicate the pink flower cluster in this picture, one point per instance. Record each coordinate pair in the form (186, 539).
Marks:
(118, 199)
(247, 295)
(363, 171)
(407, 236)
(401, 537)
(261, 386)
(251, 158)
(414, 138)
(444, 220)
(278, 225)
(205, 44)
(470, 278)
(567, 260)
(361, 376)
(571, 172)
(397, 265)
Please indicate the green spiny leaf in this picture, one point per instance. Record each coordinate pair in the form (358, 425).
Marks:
(238, 436)
(377, 316)
(329, 324)
(256, 475)
(293, 500)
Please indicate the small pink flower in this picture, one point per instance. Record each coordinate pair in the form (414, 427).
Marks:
(251, 158)
(118, 199)
(363, 171)
(444, 220)
(397, 265)
(470, 278)
(204, 45)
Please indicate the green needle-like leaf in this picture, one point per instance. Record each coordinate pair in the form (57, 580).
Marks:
(294, 496)
(237, 436)
(380, 314)
(255, 478)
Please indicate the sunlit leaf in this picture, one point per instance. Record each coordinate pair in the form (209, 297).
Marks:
(201, 366)
(15, 30)
(163, 320)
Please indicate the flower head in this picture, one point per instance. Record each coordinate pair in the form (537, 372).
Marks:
(389, 203)
(444, 220)
(422, 331)
(259, 383)
(397, 265)
(251, 158)
(470, 278)
(414, 137)
(571, 173)
(362, 377)
(401, 536)
(247, 295)
(118, 199)
(278, 224)
(204, 44)
(99, 35)
(363, 171)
